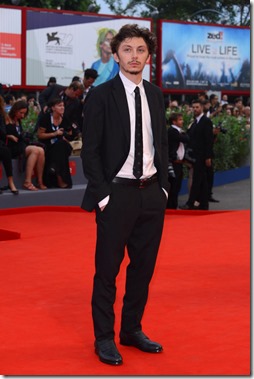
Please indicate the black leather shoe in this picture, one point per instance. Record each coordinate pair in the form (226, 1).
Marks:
(187, 207)
(107, 352)
(140, 341)
(212, 200)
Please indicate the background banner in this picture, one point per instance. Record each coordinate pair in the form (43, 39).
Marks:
(64, 45)
(196, 57)
(10, 46)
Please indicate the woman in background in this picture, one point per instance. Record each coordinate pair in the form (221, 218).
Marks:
(5, 154)
(55, 131)
(19, 146)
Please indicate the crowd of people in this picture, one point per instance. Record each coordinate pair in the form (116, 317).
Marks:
(39, 133)
(191, 145)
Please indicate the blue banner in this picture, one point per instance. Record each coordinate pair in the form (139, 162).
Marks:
(205, 57)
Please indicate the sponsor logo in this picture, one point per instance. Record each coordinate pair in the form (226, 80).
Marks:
(218, 36)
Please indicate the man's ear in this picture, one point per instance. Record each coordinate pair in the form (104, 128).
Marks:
(116, 57)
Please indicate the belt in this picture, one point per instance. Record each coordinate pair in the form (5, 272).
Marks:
(178, 161)
(139, 183)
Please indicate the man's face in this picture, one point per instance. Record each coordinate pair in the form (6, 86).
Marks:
(179, 122)
(132, 55)
(88, 82)
(215, 100)
(197, 109)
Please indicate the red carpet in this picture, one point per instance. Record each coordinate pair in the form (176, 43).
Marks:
(198, 309)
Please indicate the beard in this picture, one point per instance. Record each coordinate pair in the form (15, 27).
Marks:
(135, 71)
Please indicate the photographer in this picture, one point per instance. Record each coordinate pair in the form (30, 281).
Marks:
(215, 107)
(55, 131)
(176, 140)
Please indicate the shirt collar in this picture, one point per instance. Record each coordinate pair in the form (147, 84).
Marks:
(129, 85)
(199, 117)
(176, 127)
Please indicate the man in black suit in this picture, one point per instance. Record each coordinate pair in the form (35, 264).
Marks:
(72, 104)
(200, 148)
(176, 149)
(90, 76)
(129, 200)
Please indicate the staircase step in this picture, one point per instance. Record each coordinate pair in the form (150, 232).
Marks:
(70, 196)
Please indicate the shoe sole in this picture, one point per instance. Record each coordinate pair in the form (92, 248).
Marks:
(108, 362)
(144, 350)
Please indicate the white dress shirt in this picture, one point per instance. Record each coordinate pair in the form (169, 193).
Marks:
(148, 148)
(180, 150)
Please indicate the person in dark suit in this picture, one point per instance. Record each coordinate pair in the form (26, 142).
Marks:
(176, 141)
(200, 149)
(90, 75)
(72, 103)
(129, 200)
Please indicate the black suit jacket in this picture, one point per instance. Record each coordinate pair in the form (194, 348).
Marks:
(106, 137)
(174, 139)
(201, 139)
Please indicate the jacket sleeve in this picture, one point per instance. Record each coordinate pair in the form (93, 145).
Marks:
(209, 139)
(92, 147)
(44, 96)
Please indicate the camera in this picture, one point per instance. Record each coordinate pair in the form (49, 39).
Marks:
(171, 172)
(221, 129)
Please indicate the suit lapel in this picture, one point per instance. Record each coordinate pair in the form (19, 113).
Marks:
(152, 101)
(121, 105)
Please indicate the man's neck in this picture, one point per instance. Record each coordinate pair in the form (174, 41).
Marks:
(135, 78)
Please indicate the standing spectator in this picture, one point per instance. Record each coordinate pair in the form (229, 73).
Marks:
(32, 103)
(238, 104)
(68, 94)
(71, 98)
(202, 96)
(90, 75)
(206, 107)
(224, 99)
(51, 81)
(247, 114)
(215, 107)
(9, 101)
(55, 131)
(76, 79)
(176, 140)
(200, 147)
(127, 186)
(19, 147)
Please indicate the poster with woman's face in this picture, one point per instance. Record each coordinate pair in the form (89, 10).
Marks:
(64, 45)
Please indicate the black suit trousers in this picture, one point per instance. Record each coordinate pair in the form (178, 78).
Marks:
(175, 186)
(132, 219)
(199, 187)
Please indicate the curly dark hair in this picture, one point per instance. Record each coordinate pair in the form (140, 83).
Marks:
(131, 31)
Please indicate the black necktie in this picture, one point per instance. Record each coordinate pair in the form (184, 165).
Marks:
(195, 122)
(138, 157)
